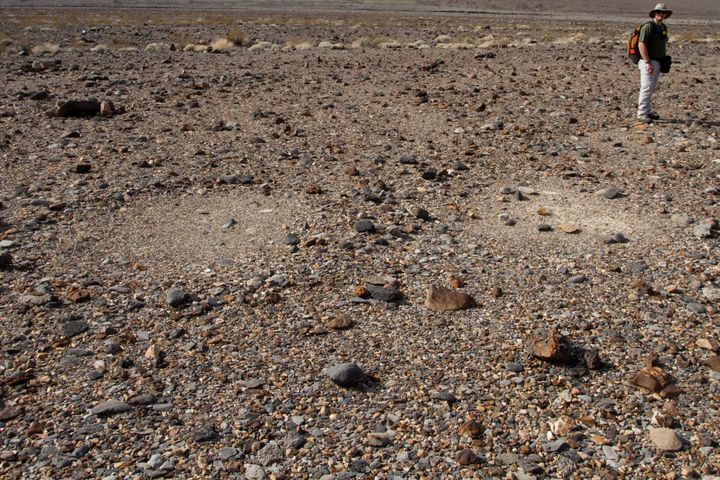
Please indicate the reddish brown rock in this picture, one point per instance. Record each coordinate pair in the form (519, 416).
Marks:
(472, 429)
(340, 323)
(441, 299)
(466, 457)
(77, 294)
(652, 378)
(552, 347)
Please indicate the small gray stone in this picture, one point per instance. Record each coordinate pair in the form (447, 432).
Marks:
(557, 446)
(294, 440)
(205, 434)
(175, 297)
(269, 454)
(364, 226)
(578, 279)
(255, 472)
(155, 461)
(382, 293)
(610, 453)
(74, 328)
(81, 451)
(681, 219)
(291, 239)
(544, 227)
(110, 407)
(696, 308)
(702, 231)
(514, 367)
(610, 192)
(226, 453)
(61, 461)
(346, 374)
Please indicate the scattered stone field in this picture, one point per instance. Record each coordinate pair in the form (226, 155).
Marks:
(361, 247)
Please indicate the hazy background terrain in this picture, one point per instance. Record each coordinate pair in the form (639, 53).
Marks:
(686, 10)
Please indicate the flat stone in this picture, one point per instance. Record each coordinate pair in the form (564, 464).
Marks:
(610, 192)
(568, 228)
(666, 439)
(556, 446)
(269, 454)
(74, 328)
(110, 407)
(346, 374)
(441, 299)
(255, 472)
(226, 453)
(681, 219)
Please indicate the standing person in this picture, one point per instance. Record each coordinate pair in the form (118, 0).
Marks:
(652, 44)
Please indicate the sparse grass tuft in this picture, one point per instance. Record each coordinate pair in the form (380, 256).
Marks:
(45, 49)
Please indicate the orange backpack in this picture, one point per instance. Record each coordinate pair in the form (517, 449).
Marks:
(633, 50)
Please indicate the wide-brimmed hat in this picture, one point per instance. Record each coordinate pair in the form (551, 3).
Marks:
(660, 7)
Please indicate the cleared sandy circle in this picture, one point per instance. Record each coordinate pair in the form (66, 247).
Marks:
(219, 229)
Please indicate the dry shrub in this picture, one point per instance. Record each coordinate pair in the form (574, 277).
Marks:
(375, 42)
(159, 46)
(222, 45)
(331, 46)
(192, 47)
(100, 47)
(456, 46)
(297, 45)
(237, 37)
(45, 49)
(5, 43)
(262, 45)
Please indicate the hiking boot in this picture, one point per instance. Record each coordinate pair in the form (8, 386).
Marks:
(654, 116)
(644, 119)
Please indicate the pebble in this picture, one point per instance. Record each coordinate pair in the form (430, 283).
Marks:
(255, 472)
(346, 374)
(175, 297)
(466, 457)
(666, 439)
(74, 328)
(270, 454)
(441, 299)
(609, 192)
(364, 226)
(110, 407)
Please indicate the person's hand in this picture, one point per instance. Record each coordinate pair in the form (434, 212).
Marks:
(649, 67)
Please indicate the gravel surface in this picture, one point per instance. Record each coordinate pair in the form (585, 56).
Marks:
(249, 266)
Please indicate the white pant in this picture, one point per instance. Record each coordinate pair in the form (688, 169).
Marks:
(648, 82)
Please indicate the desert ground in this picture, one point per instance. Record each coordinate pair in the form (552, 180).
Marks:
(416, 244)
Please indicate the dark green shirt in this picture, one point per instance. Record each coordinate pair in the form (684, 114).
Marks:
(655, 38)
